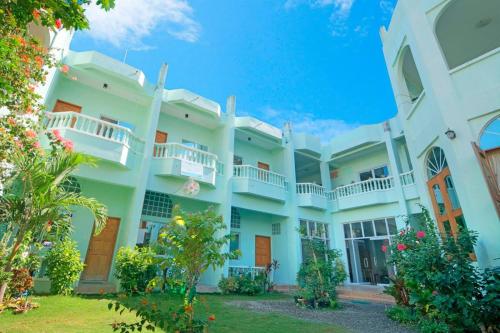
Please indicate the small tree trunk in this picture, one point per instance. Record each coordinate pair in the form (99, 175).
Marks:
(8, 265)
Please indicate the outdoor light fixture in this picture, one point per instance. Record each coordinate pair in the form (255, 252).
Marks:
(450, 134)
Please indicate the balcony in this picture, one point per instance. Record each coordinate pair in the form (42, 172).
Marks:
(177, 160)
(408, 184)
(97, 137)
(366, 193)
(251, 180)
(312, 196)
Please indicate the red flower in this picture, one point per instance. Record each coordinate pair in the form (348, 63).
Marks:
(39, 61)
(64, 69)
(384, 248)
(57, 134)
(420, 234)
(211, 317)
(402, 233)
(31, 134)
(401, 247)
(58, 24)
(68, 145)
(36, 14)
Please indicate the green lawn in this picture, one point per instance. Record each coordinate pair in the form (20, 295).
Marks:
(87, 314)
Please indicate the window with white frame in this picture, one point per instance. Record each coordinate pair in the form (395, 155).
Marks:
(276, 228)
(313, 231)
(234, 244)
(383, 227)
(195, 145)
(379, 172)
(149, 232)
(235, 218)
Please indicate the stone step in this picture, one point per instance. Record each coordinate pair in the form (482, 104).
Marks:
(95, 287)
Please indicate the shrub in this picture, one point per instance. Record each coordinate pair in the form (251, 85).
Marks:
(243, 284)
(20, 282)
(319, 275)
(63, 267)
(135, 268)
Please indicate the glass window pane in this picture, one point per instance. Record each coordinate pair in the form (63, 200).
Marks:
(368, 229)
(452, 194)
(381, 172)
(356, 230)
(380, 227)
(439, 199)
(312, 232)
(347, 231)
(447, 228)
(235, 242)
(393, 228)
(365, 175)
(303, 227)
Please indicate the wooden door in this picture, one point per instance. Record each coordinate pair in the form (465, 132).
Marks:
(100, 252)
(160, 137)
(62, 106)
(490, 165)
(264, 176)
(262, 251)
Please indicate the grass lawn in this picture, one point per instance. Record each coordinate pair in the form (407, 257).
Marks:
(91, 314)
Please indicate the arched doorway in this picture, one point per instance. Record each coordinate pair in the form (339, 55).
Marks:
(449, 215)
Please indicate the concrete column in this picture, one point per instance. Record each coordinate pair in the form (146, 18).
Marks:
(135, 210)
(325, 175)
(292, 223)
(212, 277)
(396, 171)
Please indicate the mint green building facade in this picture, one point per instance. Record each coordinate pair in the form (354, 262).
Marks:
(352, 193)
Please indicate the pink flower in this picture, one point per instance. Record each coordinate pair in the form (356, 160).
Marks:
(58, 23)
(36, 145)
(31, 134)
(420, 234)
(384, 248)
(68, 145)
(401, 247)
(402, 232)
(57, 134)
(19, 144)
(64, 69)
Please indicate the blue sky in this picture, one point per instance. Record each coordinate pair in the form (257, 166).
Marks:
(318, 63)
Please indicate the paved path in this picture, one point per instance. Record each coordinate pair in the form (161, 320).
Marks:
(356, 316)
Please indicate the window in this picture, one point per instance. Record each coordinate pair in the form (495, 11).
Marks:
(235, 218)
(234, 244)
(71, 184)
(276, 228)
(194, 145)
(380, 172)
(372, 228)
(313, 232)
(436, 162)
(468, 29)
(148, 232)
(157, 204)
(237, 160)
(411, 76)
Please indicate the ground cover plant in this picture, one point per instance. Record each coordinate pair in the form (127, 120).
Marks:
(437, 287)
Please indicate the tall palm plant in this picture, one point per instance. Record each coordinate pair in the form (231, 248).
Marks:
(35, 200)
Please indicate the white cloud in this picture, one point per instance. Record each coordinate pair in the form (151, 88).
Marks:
(131, 21)
(341, 9)
(387, 6)
(305, 122)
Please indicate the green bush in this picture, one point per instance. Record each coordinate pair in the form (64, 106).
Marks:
(63, 267)
(135, 268)
(243, 284)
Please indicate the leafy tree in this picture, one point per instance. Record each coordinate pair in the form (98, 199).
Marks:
(36, 202)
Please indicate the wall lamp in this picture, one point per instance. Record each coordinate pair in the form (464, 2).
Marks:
(450, 134)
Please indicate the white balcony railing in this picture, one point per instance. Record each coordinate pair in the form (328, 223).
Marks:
(407, 178)
(185, 153)
(370, 185)
(94, 127)
(310, 188)
(244, 270)
(261, 175)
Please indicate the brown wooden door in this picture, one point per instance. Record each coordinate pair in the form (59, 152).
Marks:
(262, 251)
(160, 137)
(263, 166)
(100, 252)
(264, 176)
(62, 106)
(489, 161)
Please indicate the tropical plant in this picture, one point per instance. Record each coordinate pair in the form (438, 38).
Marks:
(63, 267)
(320, 273)
(36, 204)
(135, 268)
(192, 242)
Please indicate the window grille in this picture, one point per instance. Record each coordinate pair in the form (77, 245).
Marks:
(157, 204)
